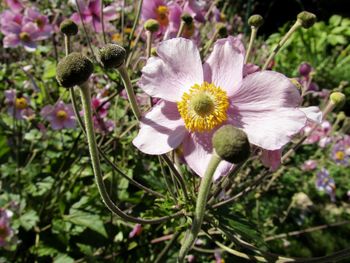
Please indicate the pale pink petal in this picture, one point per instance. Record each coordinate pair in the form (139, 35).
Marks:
(149, 8)
(177, 68)
(271, 159)
(224, 67)
(162, 129)
(265, 107)
(11, 41)
(110, 13)
(312, 113)
(197, 150)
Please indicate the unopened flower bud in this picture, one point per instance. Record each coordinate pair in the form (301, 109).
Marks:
(154, 51)
(305, 69)
(151, 25)
(306, 19)
(256, 21)
(73, 69)
(68, 27)
(231, 144)
(341, 116)
(222, 30)
(187, 18)
(297, 84)
(337, 98)
(112, 56)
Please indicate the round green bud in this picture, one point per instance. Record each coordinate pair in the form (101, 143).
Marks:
(151, 25)
(231, 144)
(73, 69)
(154, 52)
(337, 98)
(222, 30)
(306, 19)
(112, 56)
(341, 116)
(68, 27)
(256, 21)
(187, 18)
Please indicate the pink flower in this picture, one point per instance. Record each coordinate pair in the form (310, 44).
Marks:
(320, 135)
(91, 14)
(309, 165)
(44, 29)
(18, 105)
(15, 5)
(60, 115)
(5, 229)
(197, 99)
(136, 231)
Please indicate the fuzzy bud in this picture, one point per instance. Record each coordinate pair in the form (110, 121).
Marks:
(154, 52)
(306, 19)
(151, 25)
(256, 21)
(231, 144)
(222, 30)
(68, 27)
(112, 56)
(187, 18)
(73, 69)
(341, 116)
(337, 98)
(305, 69)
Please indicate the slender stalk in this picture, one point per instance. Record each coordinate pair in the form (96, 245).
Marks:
(67, 44)
(204, 189)
(133, 48)
(210, 43)
(129, 91)
(167, 247)
(149, 37)
(251, 41)
(103, 23)
(181, 29)
(280, 44)
(86, 102)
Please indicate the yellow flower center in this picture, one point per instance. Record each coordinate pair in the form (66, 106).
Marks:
(340, 155)
(203, 107)
(21, 103)
(62, 115)
(24, 36)
(162, 15)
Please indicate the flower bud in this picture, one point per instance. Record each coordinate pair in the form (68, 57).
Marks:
(231, 144)
(187, 18)
(306, 19)
(297, 84)
(68, 27)
(151, 25)
(256, 21)
(337, 98)
(341, 116)
(112, 56)
(154, 52)
(305, 69)
(73, 69)
(222, 30)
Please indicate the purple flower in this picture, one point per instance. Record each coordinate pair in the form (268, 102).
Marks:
(136, 231)
(44, 29)
(5, 229)
(99, 105)
(91, 14)
(18, 106)
(103, 125)
(325, 183)
(320, 135)
(341, 151)
(60, 115)
(15, 5)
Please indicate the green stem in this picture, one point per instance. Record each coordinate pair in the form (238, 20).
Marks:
(67, 44)
(280, 44)
(167, 247)
(89, 128)
(103, 24)
(251, 41)
(204, 189)
(136, 21)
(210, 43)
(130, 92)
(148, 43)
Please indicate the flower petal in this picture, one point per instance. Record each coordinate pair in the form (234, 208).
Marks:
(198, 149)
(162, 129)
(313, 114)
(271, 159)
(265, 107)
(177, 68)
(224, 67)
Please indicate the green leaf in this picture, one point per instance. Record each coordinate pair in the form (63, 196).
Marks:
(4, 148)
(335, 20)
(93, 222)
(63, 258)
(49, 70)
(29, 219)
